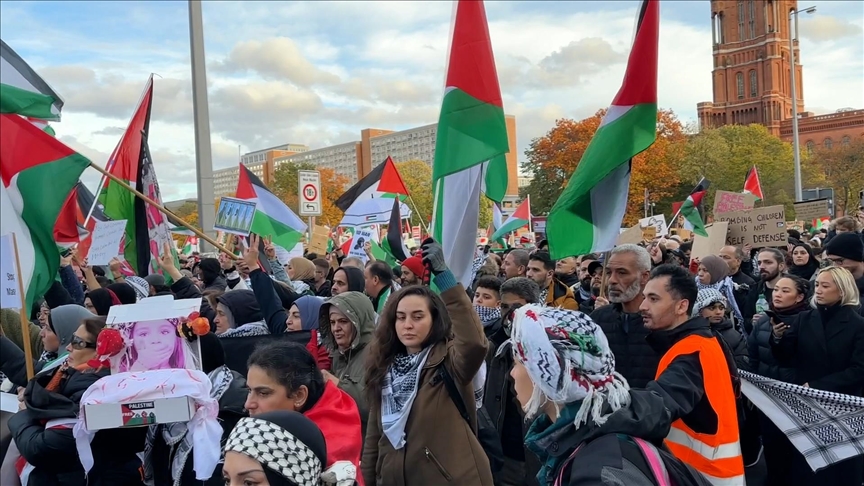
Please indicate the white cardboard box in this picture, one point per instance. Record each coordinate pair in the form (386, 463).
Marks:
(139, 413)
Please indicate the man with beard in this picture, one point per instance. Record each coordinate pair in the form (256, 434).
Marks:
(515, 264)
(734, 257)
(627, 272)
(591, 286)
(772, 264)
(412, 271)
(541, 269)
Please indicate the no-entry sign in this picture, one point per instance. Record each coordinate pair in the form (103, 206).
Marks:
(310, 192)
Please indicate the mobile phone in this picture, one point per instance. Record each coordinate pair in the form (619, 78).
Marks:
(772, 315)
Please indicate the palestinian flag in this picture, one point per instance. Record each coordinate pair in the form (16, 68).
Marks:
(272, 216)
(24, 92)
(497, 221)
(521, 217)
(85, 200)
(588, 214)
(471, 142)
(190, 246)
(368, 201)
(394, 244)
(752, 184)
(67, 231)
(691, 206)
(42, 125)
(38, 173)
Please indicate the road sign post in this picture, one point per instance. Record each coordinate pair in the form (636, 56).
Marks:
(310, 192)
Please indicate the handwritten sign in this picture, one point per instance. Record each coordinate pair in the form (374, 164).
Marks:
(361, 237)
(727, 202)
(795, 225)
(810, 210)
(658, 222)
(760, 227)
(10, 298)
(649, 233)
(106, 241)
(710, 245)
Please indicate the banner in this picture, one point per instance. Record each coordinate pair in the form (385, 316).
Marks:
(760, 227)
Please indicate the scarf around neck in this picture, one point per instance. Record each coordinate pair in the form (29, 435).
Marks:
(488, 315)
(258, 328)
(727, 288)
(398, 392)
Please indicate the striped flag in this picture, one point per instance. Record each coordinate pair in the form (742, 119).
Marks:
(394, 244)
(24, 92)
(588, 214)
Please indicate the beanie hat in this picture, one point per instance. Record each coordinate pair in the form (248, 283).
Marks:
(848, 246)
(415, 264)
(124, 292)
(707, 297)
(568, 359)
(716, 266)
(141, 287)
(210, 270)
(155, 280)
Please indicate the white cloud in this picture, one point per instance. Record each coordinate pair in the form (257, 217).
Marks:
(822, 28)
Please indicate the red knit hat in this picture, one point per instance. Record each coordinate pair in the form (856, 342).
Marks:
(415, 264)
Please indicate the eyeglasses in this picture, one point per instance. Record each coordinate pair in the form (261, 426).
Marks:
(836, 261)
(78, 343)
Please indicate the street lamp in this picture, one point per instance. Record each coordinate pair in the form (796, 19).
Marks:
(793, 15)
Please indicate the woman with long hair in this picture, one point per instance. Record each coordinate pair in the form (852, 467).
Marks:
(825, 345)
(425, 347)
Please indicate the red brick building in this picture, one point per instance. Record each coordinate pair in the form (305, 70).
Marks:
(751, 75)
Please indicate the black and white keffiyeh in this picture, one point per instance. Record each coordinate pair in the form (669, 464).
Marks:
(825, 427)
(397, 394)
(276, 449)
(250, 329)
(487, 315)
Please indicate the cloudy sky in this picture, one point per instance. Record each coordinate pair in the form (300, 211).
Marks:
(317, 73)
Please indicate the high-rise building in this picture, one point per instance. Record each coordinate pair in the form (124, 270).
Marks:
(751, 75)
(341, 158)
(260, 162)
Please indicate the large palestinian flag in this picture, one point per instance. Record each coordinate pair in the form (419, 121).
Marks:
(24, 92)
(38, 173)
(272, 216)
(471, 140)
(588, 214)
(369, 201)
(394, 244)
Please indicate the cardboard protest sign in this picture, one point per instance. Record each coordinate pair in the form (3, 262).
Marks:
(319, 240)
(10, 299)
(631, 235)
(649, 232)
(727, 202)
(795, 225)
(105, 244)
(235, 216)
(711, 245)
(810, 210)
(658, 222)
(759, 227)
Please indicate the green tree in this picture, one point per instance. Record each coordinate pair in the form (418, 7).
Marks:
(843, 167)
(286, 182)
(417, 176)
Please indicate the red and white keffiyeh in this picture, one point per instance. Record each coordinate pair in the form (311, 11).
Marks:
(568, 359)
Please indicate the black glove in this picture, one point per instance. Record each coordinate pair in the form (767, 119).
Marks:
(433, 256)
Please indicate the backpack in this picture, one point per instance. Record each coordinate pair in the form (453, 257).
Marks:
(487, 433)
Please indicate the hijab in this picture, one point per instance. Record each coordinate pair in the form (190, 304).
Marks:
(807, 270)
(303, 269)
(102, 300)
(309, 307)
(355, 278)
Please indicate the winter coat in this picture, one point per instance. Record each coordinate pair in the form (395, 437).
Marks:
(626, 333)
(349, 366)
(608, 454)
(749, 309)
(52, 451)
(736, 343)
(243, 306)
(185, 288)
(440, 445)
(10, 321)
(762, 360)
(560, 295)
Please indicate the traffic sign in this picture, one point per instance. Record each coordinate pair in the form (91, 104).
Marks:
(310, 192)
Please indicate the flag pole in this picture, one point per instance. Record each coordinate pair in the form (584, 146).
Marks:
(419, 216)
(163, 210)
(25, 324)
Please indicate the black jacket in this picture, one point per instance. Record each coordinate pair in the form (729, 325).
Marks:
(626, 333)
(826, 347)
(681, 385)
(744, 283)
(749, 309)
(736, 343)
(762, 360)
(185, 288)
(52, 451)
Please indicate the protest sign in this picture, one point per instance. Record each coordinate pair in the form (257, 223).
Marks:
(710, 245)
(795, 225)
(318, 242)
(10, 298)
(759, 227)
(235, 216)
(105, 244)
(649, 233)
(631, 235)
(361, 237)
(727, 202)
(810, 210)
(658, 222)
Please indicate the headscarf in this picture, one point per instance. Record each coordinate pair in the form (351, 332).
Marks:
(124, 292)
(289, 446)
(309, 307)
(102, 300)
(141, 287)
(303, 269)
(355, 278)
(568, 359)
(707, 297)
(716, 266)
(65, 320)
(807, 270)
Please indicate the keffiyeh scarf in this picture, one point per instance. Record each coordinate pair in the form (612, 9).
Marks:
(727, 288)
(251, 329)
(397, 394)
(488, 315)
(825, 427)
(568, 359)
(176, 435)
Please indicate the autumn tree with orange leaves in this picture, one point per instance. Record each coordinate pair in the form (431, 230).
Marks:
(553, 158)
(333, 185)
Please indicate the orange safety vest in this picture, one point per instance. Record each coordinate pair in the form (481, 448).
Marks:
(717, 456)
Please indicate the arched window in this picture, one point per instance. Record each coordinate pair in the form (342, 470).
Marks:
(828, 143)
(754, 87)
(740, 20)
(739, 83)
(845, 140)
(752, 18)
(810, 147)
